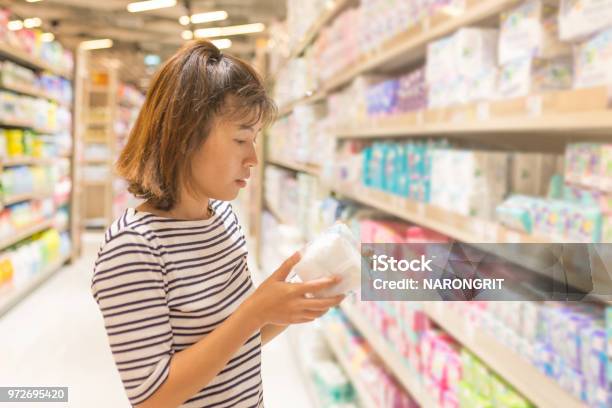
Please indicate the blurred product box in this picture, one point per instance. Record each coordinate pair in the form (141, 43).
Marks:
(580, 18)
(528, 75)
(593, 60)
(530, 30)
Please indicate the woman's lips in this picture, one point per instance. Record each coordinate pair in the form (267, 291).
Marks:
(241, 182)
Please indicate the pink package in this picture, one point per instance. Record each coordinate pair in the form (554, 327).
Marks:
(415, 234)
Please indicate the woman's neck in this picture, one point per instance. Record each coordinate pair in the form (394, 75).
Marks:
(187, 208)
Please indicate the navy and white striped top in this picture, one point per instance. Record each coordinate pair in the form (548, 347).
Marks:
(162, 285)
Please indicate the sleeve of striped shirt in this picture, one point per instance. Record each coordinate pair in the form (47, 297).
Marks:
(129, 287)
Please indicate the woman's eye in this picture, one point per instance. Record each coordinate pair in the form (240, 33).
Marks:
(240, 142)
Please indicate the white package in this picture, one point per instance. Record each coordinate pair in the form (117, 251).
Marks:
(580, 18)
(333, 253)
(530, 30)
(593, 61)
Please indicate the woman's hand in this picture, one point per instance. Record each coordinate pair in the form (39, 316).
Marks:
(278, 302)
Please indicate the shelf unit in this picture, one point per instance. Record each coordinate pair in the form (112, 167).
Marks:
(554, 118)
(525, 377)
(363, 395)
(391, 358)
(406, 47)
(25, 59)
(9, 296)
(98, 93)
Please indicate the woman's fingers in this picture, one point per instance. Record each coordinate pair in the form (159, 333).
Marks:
(323, 303)
(317, 285)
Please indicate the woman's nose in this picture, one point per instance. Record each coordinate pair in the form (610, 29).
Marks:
(251, 160)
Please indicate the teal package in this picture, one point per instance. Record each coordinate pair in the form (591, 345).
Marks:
(366, 172)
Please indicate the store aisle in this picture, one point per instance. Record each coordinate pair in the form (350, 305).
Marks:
(58, 331)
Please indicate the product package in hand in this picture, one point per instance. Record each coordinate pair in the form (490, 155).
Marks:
(333, 253)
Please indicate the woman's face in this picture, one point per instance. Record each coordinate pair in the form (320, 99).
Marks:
(222, 165)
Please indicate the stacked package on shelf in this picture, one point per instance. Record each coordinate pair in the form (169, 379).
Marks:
(565, 341)
(386, 19)
(593, 59)
(531, 56)
(30, 42)
(301, 15)
(407, 93)
(337, 46)
(20, 264)
(383, 388)
(581, 18)
(293, 82)
(441, 367)
(462, 67)
(469, 182)
(580, 210)
(588, 24)
(588, 174)
(481, 387)
(301, 137)
(571, 347)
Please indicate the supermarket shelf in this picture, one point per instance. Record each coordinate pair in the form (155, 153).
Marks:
(411, 45)
(525, 377)
(26, 125)
(24, 58)
(311, 97)
(13, 297)
(33, 91)
(277, 214)
(333, 9)
(454, 225)
(304, 168)
(25, 233)
(391, 359)
(362, 392)
(583, 111)
(28, 161)
(16, 198)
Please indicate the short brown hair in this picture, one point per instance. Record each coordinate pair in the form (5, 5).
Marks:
(186, 93)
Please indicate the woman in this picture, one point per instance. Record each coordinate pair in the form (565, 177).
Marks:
(184, 322)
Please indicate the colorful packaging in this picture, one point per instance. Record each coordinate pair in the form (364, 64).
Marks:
(593, 60)
(525, 76)
(530, 30)
(580, 18)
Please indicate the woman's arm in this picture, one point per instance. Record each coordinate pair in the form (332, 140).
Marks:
(191, 369)
(275, 302)
(270, 331)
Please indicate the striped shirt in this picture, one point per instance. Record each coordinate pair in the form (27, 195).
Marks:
(162, 285)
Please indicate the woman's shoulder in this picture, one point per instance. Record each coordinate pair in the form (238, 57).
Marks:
(131, 228)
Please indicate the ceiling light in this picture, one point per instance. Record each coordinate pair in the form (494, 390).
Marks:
(229, 30)
(222, 43)
(187, 35)
(208, 17)
(138, 6)
(15, 25)
(47, 37)
(32, 22)
(32, 1)
(96, 44)
(203, 17)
